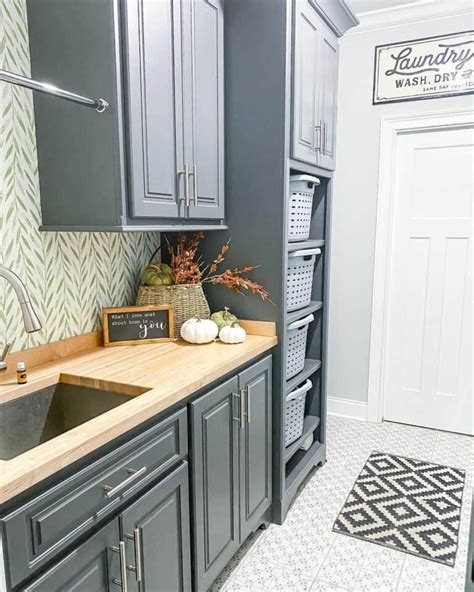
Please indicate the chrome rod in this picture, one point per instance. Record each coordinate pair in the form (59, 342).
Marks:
(100, 105)
(247, 390)
(194, 174)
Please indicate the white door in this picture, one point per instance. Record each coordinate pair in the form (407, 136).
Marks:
(428, 359)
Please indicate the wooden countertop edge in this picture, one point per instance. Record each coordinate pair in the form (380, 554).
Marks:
(32, 467)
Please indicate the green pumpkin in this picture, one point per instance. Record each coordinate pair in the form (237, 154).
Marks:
(158, 274)
(224, 318)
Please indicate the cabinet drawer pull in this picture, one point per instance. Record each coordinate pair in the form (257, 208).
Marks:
(134, 475)
(243, 410)
(123, 567)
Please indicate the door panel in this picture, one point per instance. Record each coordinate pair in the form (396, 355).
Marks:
(306, 132)
(429, 342)
(92, 566)
(255, 445)
(327, 83)
(160, 521)
(215, 481)
(154, 101)
(203, 62)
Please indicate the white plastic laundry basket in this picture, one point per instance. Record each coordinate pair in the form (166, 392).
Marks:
(297, 334)
(295, 402)
(300, 206)
(299, 278)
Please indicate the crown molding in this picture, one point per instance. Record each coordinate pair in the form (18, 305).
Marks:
(417, 12)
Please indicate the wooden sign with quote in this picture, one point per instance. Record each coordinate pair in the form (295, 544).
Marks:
(131, 325)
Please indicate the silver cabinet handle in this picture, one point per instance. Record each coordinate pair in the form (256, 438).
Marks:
(123, 567)
(137, 544)
(186, 185)
(194, 175)
(236, 397)
(248, 404)
(134, 475)
(181, 174)
(242, 408)
(319, 130)
(138, 553)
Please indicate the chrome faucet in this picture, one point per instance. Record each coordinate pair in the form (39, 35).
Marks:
(30, 318)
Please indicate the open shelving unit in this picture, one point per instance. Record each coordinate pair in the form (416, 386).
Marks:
(257, 186)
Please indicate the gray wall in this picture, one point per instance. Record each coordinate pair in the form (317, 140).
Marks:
(355, 197)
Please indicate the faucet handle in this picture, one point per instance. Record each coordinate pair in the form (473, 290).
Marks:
(5, 352)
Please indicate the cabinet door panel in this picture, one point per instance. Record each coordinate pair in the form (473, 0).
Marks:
(328, 97)
(92, 566)
(215, 481)
(154, 101)
(203, 55)
(255, 445)
(306, 136)
(160, 519)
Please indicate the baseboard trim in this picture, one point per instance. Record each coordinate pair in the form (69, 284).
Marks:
(347, 408)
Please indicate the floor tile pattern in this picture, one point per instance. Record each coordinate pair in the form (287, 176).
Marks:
(305, 554)
(406, 504)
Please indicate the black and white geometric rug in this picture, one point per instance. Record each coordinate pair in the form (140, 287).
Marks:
(409, 505)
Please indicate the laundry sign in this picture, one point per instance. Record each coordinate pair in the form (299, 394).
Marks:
(424, 68)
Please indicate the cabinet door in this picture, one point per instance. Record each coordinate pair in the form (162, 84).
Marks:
(214, 444)
(156, 532)
(306, 130)
(93, 566)
(203, 75)
(154, 107)
(327, 82)
(255, 445)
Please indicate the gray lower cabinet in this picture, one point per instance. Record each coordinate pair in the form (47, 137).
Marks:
(92, 567)
(155, 158)
(155, 530)
(231, 459)
(255, 385)
(148, 545)
(215, 421)
(315, 70)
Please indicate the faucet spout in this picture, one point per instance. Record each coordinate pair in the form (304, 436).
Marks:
(30, 318)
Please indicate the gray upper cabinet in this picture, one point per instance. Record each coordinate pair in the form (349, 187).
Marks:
(306, 121)
(154, 107)
(155, 529)
(214, 426)
(329, 54)
(203, 60)
(315, 69)
(255, 445)
(93, 566)
(154, 160)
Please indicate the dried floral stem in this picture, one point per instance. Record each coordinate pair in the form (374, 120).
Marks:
(188, 268)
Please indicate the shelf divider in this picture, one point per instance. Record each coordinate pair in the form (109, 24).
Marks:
(310, 367)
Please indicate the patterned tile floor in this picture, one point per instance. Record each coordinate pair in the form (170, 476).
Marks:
(304, 553)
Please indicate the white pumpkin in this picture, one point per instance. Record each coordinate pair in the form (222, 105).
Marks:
(199, 330)
(232, 334)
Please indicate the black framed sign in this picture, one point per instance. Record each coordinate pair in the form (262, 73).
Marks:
(428, 68)
(131, 325)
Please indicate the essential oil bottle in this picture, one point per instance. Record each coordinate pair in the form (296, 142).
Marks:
(21, 374)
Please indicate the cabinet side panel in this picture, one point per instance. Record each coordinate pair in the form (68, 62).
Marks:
(73, 46)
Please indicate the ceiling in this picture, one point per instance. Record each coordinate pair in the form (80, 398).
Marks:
(362, 6)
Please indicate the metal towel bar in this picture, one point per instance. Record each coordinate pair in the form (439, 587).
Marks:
(100, 105)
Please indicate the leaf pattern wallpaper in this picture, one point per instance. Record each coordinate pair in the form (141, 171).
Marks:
(70, 276)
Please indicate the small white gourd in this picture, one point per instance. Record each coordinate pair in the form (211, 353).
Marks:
(199, 330)
(232, 334)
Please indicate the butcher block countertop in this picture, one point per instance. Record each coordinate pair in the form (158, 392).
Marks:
(155, 376)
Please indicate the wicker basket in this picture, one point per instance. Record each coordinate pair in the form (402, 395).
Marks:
(188, 301)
